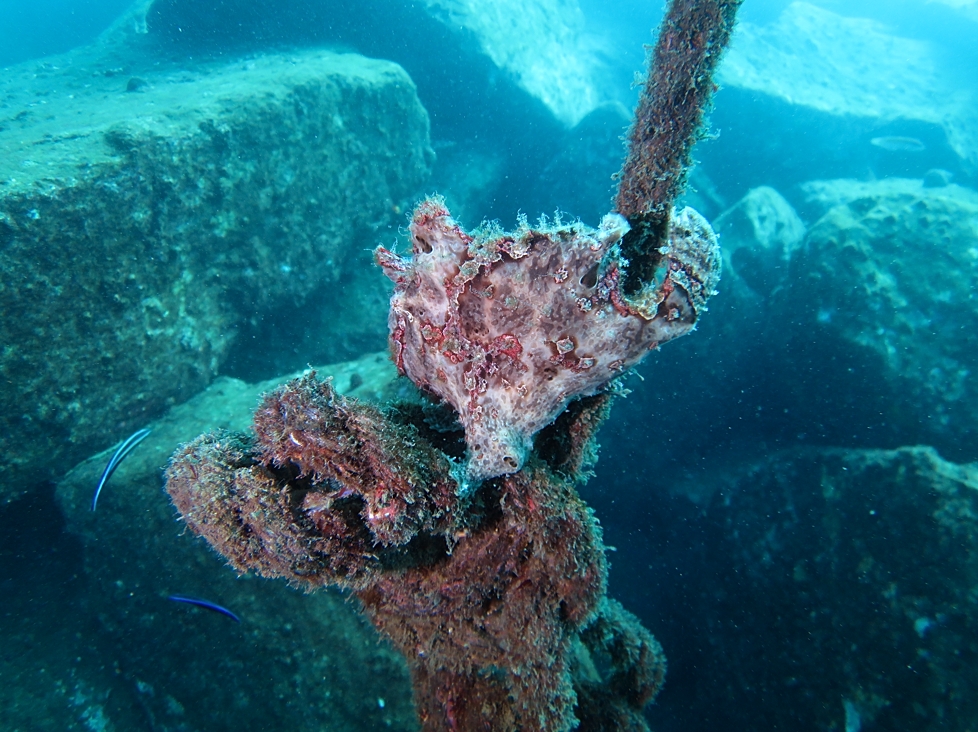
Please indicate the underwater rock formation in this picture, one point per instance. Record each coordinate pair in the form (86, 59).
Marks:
(489, 576)
(493, 57)
(807, 93)
(539, 47)
(127, 218)
(759, 235)
(886, 282)
(838, 590)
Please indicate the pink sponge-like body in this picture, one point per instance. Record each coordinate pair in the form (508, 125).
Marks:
(508, 328)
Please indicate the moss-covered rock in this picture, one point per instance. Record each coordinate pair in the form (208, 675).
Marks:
(838, 592)
(541, 48)
(506, 83)
(882, 317)
(142, 224)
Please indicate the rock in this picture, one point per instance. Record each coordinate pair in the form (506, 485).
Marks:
(883, 316)
(967, 9)
(803, 97)
(821, 196)
(539, 46)
(868, 341)
(507, 80)
(139, 231)
(838, 589)
(321, 664)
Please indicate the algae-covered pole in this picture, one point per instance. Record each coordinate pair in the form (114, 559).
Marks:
(667, 123)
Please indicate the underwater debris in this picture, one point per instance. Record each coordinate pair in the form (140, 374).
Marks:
(668, 122)
(490, 580)
(486, 604)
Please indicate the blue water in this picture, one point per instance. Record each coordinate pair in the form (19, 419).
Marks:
(860, 338)
(47, 27)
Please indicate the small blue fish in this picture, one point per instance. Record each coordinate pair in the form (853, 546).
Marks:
(206, 604)
(124, 449)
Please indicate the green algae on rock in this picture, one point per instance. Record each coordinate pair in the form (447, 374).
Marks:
(886, 280)
(857, 572)
(139, 231)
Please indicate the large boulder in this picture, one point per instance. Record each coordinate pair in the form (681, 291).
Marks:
(758, 236)
(811, 589)
(145, 219)
(837, 592)
(540, 47)
(815, 94)
(503, 80)
(880, 316)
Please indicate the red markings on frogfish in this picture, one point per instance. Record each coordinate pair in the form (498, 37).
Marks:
(397, 344)
(391, 263)
(432, 334)
(508, 345)
(613, 283)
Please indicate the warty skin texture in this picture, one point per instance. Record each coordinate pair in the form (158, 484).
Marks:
(509, 328)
